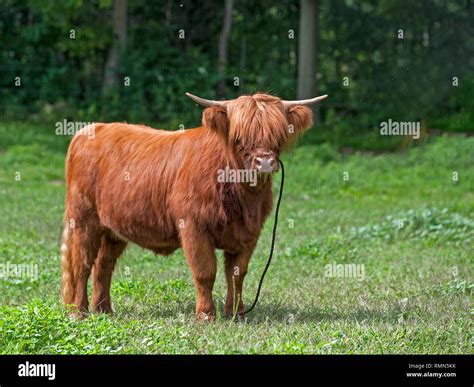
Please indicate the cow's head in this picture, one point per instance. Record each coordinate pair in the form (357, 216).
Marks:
(256, 128)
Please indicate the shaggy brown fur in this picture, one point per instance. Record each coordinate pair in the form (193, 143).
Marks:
(159, 190)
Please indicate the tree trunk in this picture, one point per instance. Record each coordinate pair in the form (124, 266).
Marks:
(119, 20)
(308, 51)
(223, 47)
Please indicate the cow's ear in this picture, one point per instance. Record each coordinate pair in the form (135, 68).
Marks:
(300, 118)
(215, 118)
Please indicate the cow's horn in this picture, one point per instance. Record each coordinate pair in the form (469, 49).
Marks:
(207, 102)
(307, 102)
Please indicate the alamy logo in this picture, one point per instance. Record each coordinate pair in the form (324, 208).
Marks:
(70, 128)
(19, 270)
(37, 370)
(395, 128)
(349, 270)
(229, 175)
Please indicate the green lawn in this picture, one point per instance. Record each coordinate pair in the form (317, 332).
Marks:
(414, 297)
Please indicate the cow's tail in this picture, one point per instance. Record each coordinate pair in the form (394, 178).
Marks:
(67, 279)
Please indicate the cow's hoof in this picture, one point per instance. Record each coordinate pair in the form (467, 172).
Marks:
(206, 317)
(107, 309)
(239, 317)
(77, 315)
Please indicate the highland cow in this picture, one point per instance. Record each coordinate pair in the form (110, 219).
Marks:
(159, 190)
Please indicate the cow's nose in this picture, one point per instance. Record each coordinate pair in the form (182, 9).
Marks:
(265, 164)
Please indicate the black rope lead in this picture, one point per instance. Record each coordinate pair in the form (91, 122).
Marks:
(273, 238)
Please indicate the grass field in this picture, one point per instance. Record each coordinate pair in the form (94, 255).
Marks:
(402, 217)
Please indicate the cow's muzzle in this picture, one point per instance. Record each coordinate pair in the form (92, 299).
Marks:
(266, 164)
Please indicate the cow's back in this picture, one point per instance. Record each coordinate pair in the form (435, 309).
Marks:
(123, 175)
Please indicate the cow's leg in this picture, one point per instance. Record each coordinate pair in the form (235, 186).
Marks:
(201, 258)
(235, 270)
(110, 250)
(79, 250)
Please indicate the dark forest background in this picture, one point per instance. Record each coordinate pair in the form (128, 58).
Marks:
(107, 60)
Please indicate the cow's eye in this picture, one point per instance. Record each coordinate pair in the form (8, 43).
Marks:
(236, 142)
